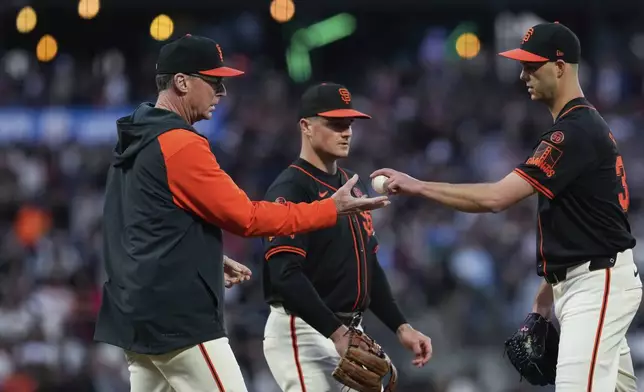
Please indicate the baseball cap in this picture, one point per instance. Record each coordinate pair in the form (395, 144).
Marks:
(547, 42)
(193, 54)
(328, 100)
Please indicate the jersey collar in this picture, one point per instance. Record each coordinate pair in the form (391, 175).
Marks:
(322, 175)
(581, 101)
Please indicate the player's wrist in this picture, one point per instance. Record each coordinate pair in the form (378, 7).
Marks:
(418, 187)
(403, 328)
(338, 333)
(331, 209)
(544, 301)
(543, 309)
(428, 189)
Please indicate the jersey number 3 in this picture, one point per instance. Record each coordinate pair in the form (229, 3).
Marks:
(624, 200)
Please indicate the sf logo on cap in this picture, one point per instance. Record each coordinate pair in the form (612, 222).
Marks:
(528, 35)
(345, 95)
(221, 54)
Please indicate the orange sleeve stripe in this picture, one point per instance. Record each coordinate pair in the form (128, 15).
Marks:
(545, 191)
(284, 248)
(200, 186)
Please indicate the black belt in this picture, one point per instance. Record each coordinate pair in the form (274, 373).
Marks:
(348, 318)
(598, 263)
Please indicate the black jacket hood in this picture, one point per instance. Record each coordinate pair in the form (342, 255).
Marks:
(142, 127)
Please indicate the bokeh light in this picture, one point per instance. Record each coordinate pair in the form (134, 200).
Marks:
(26, 20)
(282, 10)
(88, 9)
(468, 45)
(161, 27)
(47, 48)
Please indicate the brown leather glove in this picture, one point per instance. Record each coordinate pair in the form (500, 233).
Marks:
(364, 365)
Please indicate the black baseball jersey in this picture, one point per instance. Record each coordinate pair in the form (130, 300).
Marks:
(339, 259)
(583, 195)
(325, 272)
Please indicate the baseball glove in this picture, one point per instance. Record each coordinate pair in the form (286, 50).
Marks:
(365, 364)
(533, 350)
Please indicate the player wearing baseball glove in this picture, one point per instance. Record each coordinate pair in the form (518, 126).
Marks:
(320, 284)
(364, 365)
(533, 350)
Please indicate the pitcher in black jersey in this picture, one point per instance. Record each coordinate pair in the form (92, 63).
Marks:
(584, 241)
(320, 282)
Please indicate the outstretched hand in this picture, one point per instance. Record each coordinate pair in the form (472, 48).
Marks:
(235, 273)
(398, 182)
(346, 203)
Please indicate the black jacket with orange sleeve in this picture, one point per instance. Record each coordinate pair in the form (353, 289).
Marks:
(166, 204)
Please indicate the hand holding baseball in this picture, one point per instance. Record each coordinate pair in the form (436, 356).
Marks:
(395, 182)
(378, 184)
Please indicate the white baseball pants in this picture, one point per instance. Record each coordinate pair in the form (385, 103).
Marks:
(595, 310)
(299, 357)
(206, 367)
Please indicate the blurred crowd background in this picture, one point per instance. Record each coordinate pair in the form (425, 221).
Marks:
(444, 108)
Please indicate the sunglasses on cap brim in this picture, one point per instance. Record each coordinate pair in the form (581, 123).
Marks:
(216, 82)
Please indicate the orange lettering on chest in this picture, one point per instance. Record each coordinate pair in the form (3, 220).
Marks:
(367, 223)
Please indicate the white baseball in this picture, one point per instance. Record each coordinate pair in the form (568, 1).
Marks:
(378, 184)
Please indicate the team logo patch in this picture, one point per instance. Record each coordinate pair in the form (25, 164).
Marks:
(557, 137)
(280, 200)
(357, 192)
(545, 157)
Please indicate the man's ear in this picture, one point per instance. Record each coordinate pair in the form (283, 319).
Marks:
(561, 68)
(305, 126)
(180, 83)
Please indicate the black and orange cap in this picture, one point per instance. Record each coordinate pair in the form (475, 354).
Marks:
(547, 42)
(328, 100)
(192, 54)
